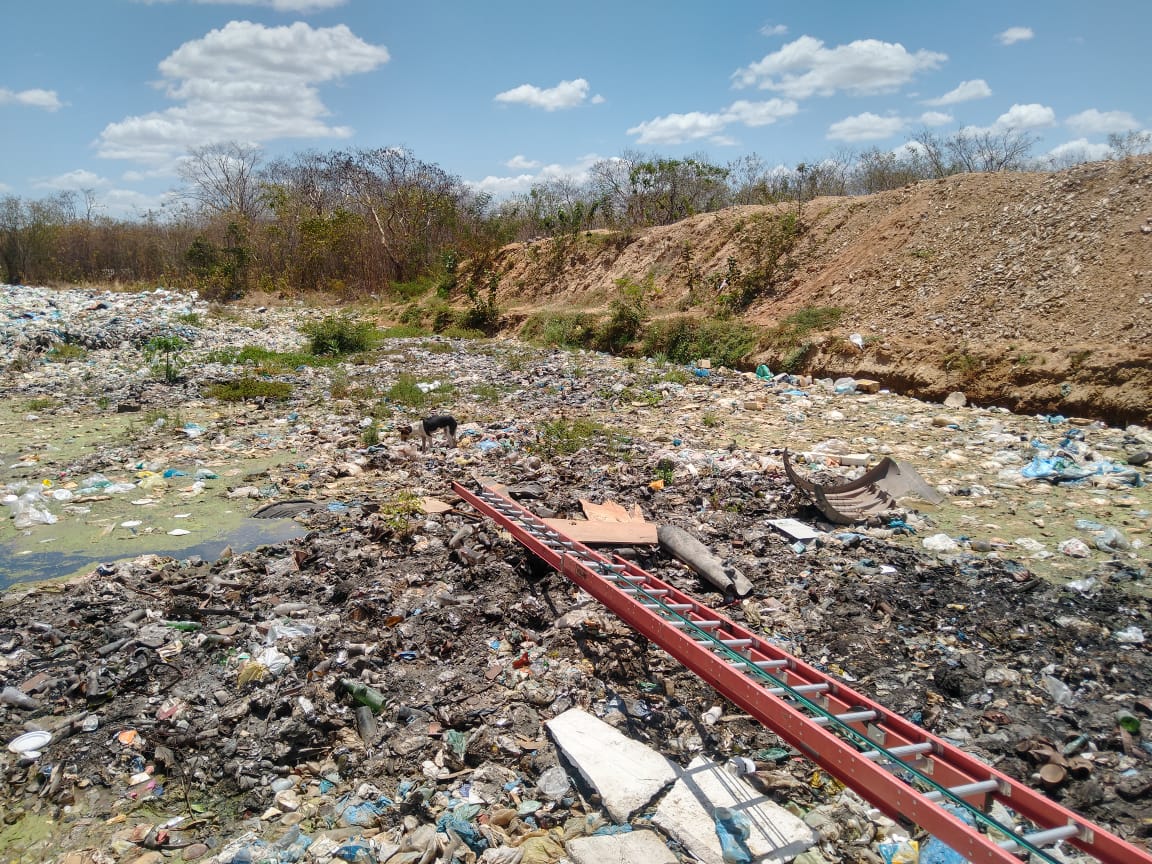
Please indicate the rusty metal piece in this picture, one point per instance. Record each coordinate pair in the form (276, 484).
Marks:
(874, 492)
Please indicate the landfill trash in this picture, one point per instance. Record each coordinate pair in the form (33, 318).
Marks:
(30, 743)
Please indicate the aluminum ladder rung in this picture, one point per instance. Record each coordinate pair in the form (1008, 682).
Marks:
(964, 789)
(768, 664)
(713, 644)
(899, 752)
(802, 688)
(709, 624)
(849, 717)
(671, 607)
(1042, 838)
(654, 592)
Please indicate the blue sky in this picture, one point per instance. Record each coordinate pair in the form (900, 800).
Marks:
(108, 95)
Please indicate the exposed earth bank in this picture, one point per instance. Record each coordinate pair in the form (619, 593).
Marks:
(1029, 291)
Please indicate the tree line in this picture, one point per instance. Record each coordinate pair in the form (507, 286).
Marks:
(356, 222)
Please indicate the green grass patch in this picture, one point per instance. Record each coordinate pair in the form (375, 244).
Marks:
(264, 360)
(565, 436)
(406, 391)
(192, 319)
(248, 390)
(488, 392)
(41, 403)
(457, 332)
(66, 353)
(804, 322)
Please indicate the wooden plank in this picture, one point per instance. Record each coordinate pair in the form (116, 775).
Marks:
(611, 533)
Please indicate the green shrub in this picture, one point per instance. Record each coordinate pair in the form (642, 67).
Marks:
(627, 314)
(192, 319)
(561, 329)
(805, 321)
(166, 354)
(684, 339)
(248, 389)
(458, 332)
(338, 335)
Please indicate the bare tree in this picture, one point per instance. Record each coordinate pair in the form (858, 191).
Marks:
(1130, 143)
(221, 179)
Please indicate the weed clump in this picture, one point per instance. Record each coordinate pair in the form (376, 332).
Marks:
(249, 390)
(340, 335)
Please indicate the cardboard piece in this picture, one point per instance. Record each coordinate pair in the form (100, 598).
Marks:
(594, 532)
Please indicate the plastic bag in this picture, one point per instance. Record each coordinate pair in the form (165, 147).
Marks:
(733, 830)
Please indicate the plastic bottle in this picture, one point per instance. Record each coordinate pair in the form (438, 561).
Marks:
(364, 694)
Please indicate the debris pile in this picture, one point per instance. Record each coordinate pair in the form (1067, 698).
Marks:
(401, 682)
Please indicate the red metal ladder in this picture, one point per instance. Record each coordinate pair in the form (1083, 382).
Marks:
(900, 768)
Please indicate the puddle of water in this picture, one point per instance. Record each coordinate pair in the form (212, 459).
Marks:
(18, 565)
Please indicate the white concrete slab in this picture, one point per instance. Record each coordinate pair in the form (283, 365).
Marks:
(685, 814)
(626, 774)
(636, 847)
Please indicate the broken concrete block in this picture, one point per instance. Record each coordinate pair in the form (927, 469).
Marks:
(635, 847)
(625, 774)
(686, 815)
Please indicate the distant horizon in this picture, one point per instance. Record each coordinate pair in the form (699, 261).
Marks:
(109, 97)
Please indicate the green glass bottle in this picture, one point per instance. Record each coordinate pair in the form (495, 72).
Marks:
(364, 694)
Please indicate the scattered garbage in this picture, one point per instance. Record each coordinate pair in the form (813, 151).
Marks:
(381, 683)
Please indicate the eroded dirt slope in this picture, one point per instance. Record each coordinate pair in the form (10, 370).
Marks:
(1032, 291)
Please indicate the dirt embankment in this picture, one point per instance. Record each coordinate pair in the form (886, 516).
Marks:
(1030, 291)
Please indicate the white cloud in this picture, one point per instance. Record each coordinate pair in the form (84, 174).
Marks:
(1030, 116)
(965, 91)
(773, 29)
(566, 94)
(935, 118)
(1093, 122)
(501, 187)
(519, 162)
(46, 99)
(244, 82)
(678, 128)
(1080, 150)
(805, 67)
(76, 180)
(278, 5)
(865, 127)
(1015, 34)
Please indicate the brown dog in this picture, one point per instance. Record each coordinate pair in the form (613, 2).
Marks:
(429, 426)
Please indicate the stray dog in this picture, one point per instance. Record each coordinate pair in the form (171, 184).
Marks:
(428, 427)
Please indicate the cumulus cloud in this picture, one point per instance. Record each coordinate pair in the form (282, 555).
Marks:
(519, 162)
(935, 118)
(677, 128)
(1014, 34)
(1030, 116)
(76, 180)
(278, 5)
(566, 94)
(46, 99)
(865, 127)
(965, 91)
(1093, 122)
(244, 82)
(502, 187)
(805, 67)
(1080, 150)
(773, 29)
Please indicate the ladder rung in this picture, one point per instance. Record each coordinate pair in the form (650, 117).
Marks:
(803, 688)
(670, 607)
(899, 752)
(768, 664)
(1043, 838)
(653, 592)
(709, 624)
(849, 717)
(713, 644)
(964, 789)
